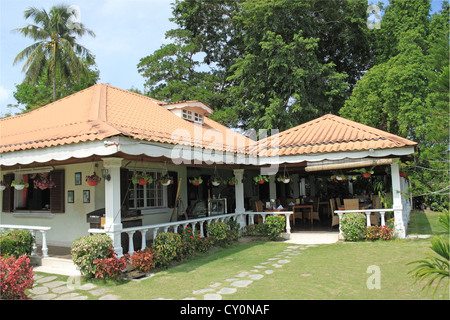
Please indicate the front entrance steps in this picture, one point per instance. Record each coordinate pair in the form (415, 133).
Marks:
(54, 265)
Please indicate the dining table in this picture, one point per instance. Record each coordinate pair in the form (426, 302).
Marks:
(303, 206)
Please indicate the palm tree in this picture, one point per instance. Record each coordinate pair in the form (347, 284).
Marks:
(56, 50)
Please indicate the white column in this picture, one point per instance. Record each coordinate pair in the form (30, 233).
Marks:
(113, 214)
(399, 227)
(303, 187)
(295, 186)
(272, 188)
(239, 195)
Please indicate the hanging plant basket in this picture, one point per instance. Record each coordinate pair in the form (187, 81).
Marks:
(165, 180)
(2, 186)
(216, 182)
(141, 179)
(284, 179)
(43, 182)
(261, 179)
(93, 180)
(231, 181)
(366, 173)
(19, 185)
(196, 181)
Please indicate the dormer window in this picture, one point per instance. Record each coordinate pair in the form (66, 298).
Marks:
(192, 116)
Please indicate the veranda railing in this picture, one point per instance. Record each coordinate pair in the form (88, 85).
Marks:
(33, 230)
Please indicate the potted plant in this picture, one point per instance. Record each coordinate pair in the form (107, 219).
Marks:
(366, 173)
(196, 181)
(216, 181)
(165, 180)
(261, 179)
(141, 179)
(19, 185)
(284, 179)
(43, 183)
(93, 180)
(231, 181)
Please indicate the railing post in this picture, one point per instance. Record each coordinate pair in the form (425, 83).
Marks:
(143, 241)
(44, 243)
(367, 218)
(288, 225)
(34, 248)
(383, 221)
(340, 214)
(130, 242)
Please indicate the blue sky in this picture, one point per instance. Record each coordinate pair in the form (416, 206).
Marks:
(126, 31)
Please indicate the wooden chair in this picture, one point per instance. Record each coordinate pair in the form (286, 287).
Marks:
(259, 208)
(351, 204)
(338, 202)
(375, 216)
(334, 216)
(316, 209)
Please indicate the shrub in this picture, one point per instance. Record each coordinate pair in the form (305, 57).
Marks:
(169, 247)
(85, 250)
(379, 232)
(110, 267)
(255, 230)
(372, 233)
(16, 276)
(385, 232)
(274, 226)
(142, 260)
(217, 231)
(16, 243)
(233, 232)
(188, 240)
(353, 226)
(203, 244)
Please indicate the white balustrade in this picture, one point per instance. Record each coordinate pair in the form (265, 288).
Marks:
(164, 227)
(33, 230)
(367, 212)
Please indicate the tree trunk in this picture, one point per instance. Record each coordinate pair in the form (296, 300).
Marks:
(54, 86)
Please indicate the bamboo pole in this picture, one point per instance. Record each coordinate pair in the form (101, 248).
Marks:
(348, 165)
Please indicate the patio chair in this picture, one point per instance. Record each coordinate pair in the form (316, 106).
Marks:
(316, 209)
(351, 204)
(259, 208)
(334, 216)
(338, 202)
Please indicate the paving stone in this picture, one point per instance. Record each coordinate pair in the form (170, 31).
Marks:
(37, 277)
(61, 290)
(46, 279)
(227, 291)
(256, 276)
(268, 271)
(47, 296)
(259, 267)
(98, 292)
(231, 279)
(293, 247)
(87, 286)
(212, 296)
(189, 298)
(242, 274)
(276, 265)
(284, 261)
(215, 285)
(202, 291)
(68, 296)
(109, 297)
(39, 290)
(55, 284)
(241, 283)
(272, 259)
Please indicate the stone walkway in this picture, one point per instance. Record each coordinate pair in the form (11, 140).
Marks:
(228, 286)
(49, 288)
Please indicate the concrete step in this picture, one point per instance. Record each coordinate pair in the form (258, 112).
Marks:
(55, 266)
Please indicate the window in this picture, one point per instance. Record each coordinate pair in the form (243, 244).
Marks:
(150, 195)
(192, 116)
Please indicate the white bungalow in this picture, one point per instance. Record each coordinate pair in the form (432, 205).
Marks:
(116, 134)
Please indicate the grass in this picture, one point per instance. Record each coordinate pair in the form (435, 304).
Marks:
(335, 271)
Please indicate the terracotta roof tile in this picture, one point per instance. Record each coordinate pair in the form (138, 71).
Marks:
(331, 133)
(103, 111)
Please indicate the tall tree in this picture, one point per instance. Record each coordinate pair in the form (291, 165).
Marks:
(56, 50)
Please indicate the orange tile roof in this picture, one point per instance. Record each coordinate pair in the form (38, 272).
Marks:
(331, 133)
(103, 111)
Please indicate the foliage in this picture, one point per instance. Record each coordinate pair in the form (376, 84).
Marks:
(261, 179)
(16, 276)
(56, 50)
(168, 247)
(85, 250)
(110, 267)
(233, 229)
(379, 232)
(189, 241)
(16, 243)
(255, 230)
(142, 260)
(435, 267)
(217, 231)
(353, 226)
(274, 226)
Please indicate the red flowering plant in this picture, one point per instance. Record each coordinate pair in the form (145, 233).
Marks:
(16, 276)
(142, 260)
(189, 241)
(110, 267)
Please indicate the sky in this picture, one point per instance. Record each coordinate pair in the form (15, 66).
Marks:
(126, 31)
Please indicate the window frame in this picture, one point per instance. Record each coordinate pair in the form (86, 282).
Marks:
(143, 193)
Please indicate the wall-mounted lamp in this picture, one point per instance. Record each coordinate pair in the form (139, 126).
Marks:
(105, 174)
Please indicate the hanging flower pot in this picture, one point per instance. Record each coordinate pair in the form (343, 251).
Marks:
(231, 181)
(141, 179)
(43, 182)
(93, 180)
(283, 179)
(196, 181)
(260, 179)
(216, 181)
(165, 180)
(2, 186)
(19, 185)
(366, 175)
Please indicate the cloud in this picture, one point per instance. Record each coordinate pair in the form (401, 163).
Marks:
(4, 94)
